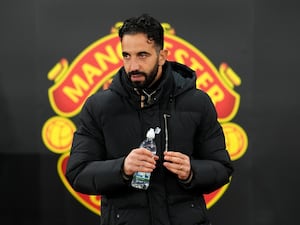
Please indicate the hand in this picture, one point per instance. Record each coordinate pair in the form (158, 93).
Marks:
(139, 160)
(178, 163)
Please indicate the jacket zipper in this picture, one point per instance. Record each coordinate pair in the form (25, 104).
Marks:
(166, 116)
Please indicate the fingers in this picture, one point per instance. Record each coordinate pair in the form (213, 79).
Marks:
(141, 160)
(178, 163)
(175, 157)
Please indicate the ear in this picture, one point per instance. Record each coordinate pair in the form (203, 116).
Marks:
(163, 54)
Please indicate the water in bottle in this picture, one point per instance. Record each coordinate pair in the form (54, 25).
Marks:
(141, 180)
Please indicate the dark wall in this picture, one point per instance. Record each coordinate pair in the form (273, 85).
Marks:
(259, 39)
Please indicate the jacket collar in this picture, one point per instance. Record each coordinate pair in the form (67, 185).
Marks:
(176, 79)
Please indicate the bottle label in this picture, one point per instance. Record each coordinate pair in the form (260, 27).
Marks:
(141, 180)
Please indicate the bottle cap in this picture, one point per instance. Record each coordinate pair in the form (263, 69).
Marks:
(150, 133)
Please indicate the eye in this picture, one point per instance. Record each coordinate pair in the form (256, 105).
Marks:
(143, 55)
(125, 55)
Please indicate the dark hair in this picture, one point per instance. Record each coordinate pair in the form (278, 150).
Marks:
(144, 24)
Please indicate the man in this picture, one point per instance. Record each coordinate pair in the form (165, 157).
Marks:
(149, 92)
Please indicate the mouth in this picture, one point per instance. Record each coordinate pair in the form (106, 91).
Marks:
(137, 77)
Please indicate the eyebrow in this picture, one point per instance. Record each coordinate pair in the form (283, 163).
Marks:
(143, 52)
(139, 53)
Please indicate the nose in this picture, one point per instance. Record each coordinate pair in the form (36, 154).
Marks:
(133, 64)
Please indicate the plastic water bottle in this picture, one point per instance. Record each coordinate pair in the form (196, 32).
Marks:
(141, 180)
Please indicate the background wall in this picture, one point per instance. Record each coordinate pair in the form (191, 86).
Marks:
(258, 38)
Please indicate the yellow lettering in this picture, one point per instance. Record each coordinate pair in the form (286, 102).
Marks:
(216, 93)
(195, 65)
(180, 55)
(168, 45)
(110, 57)
(204, 80)
(119, 50)
(90, 71)
(77, 91)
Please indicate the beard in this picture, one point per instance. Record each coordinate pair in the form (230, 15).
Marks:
(149, 77)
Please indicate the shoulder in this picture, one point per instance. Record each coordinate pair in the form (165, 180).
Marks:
(196, 95)
(100, 100)
(195, 100)
(102, 95)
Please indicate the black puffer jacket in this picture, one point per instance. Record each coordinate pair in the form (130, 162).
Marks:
(112, 123)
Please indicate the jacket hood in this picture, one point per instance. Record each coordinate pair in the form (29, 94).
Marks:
(184, 77)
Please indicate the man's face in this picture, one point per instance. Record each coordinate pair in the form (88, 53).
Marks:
(142, 61)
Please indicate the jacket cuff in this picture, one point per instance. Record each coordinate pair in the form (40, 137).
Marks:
(124, 176)
(188, 180)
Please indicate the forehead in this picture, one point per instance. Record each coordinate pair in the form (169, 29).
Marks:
(136, 43)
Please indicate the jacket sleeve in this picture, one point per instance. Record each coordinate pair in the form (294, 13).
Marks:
(210, 162)
(88, 171)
